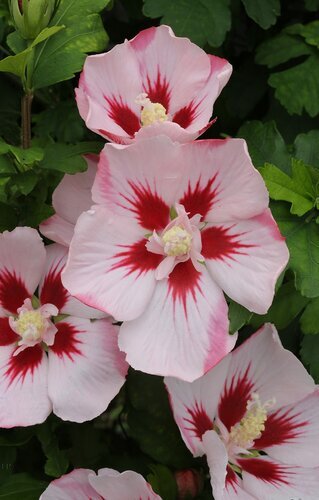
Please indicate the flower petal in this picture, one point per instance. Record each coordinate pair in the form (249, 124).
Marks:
(128, 485)
(57, 229)
(109, 267)
(86, 368)
(23, 387)
(72, 486)
(184, 330)
(245, 259)
(217, 459)
(7, 335)
(22, 258)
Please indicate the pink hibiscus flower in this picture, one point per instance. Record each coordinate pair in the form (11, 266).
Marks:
(174, 226)
(52, 356)
(70, 198)
(167, 86)
(255, 416)
(108, 484)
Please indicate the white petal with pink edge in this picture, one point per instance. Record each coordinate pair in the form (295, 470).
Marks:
(23, 387)
(51, 289)
(109, 267)
(22, 260)
(194, 405)
(184, 330)
(246, 259)
(86, 368)
(72, 486)
(127, 485)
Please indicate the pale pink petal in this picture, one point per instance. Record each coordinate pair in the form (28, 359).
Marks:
(267, 479)
(86, 368)
(128, 485)
(22, 259)
(109, 267)
(72, 486)
(291, 433)
(140, 181)
(52, 291)
(220, 182)
(234, 488)
(245, 259)
(23, 387)
(217, 459)
(194, 404)
(261, 365)
(57, 229)
(172, 130)
(184, 330)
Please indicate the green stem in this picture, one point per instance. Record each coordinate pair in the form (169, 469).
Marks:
(26, 104)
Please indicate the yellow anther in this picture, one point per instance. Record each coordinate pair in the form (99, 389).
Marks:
(177, 241)
(252, 425)
(30, 325)
(151, 111)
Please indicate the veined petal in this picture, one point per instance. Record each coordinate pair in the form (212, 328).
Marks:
(72, 486)
(109, 267)
(128, 485)
(22, 259)
(86, 368)
(184, 330)
(246, 258)
(23, 387)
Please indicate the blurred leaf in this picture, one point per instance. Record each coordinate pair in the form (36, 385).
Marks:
(67, 157)
(19, 486)
(238, 316)
(310, 32)
(301, 189)
(312, 4)
(57, 462)
(8, 217)
(307, 147)
(25, 182)
(49, 123)
(203, 21)
(310, 354)
(15, 437)
(280, 49)
(61, 57)
(309, 321)
(7, 461)
(265, 144)
(163, 482)
(263, 13)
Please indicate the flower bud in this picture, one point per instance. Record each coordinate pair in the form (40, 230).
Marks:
(189, 484)
(31, 16)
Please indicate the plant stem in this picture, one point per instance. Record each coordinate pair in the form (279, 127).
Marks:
(26, 104)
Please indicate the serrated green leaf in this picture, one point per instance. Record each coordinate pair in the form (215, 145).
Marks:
(300, 189)
(308, 31)
(203, 21)
(309, 320)
(307, 147)
(310, 354)
(67, 157)
(297, 88)
(60, 58)
(302, 238)
(265, 144)
(280, 49)
(263, 13)
(19, 486)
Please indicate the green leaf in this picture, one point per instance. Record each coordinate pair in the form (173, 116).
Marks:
(163, 482)
(280, 49)
(309, 321)
(297, 88)
(27, 156)
(302, 238)
(307, 147)
(265, 144)
(310, 354)
(300, 189)
(25, 182)
(19, 486)
(49, 123)
(263, 13)
(67, 157)
(238, 316)
(203, 21)
(59, 58)
(8, 217)
(309, 31)
(57, 462)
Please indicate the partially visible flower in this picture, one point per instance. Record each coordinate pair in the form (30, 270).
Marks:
(31, 16)
(107, 484)
(175, 225)
(52, 356)
(256, 418)
(167, 85)
(189, 484)
(70, 198)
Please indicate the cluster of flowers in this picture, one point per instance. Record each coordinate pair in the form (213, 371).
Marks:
(151, 235)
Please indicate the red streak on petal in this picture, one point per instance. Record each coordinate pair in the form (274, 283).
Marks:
(7, 336)
(123, 116)
(65, 341)
(219, 244)
(158, 91)
(186, 115)
(200, 199)
(151, 211)
(233, 402)
(53, 292)
(112, 137)
(268, 472)
(280, 428)
(23, 363)
(13, 291)
(137, 258)
(199, 421)
(182, 282)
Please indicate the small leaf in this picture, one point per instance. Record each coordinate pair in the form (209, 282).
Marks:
(25, 182)
(280, 49)
(310, 354)
(238, 316)
(263, 13)
(309, 321)
(57, 461)
(67, 157)
(19, 486)
(307, 147)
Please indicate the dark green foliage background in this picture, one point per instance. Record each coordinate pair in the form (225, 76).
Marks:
(272, 100)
